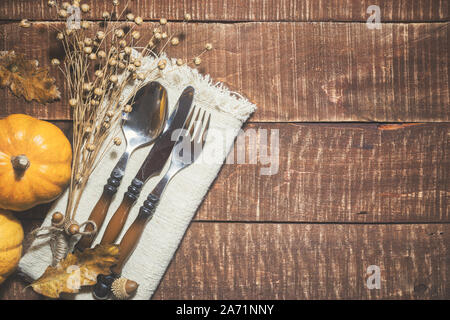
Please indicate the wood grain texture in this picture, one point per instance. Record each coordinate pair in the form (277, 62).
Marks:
(246, 10)
(338, 173)
(295, 71)
(297, 261)
(300, 261)
(364, 173)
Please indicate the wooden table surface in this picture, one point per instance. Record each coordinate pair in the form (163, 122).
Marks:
(363, 120)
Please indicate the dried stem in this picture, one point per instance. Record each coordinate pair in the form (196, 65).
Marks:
(97, 69)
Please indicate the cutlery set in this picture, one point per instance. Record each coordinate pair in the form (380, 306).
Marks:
(179, 138)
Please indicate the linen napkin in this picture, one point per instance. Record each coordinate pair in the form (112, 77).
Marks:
(182, 196)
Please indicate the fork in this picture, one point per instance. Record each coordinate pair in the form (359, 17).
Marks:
(197, 133)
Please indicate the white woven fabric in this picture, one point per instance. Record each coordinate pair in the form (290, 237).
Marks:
(180, 199)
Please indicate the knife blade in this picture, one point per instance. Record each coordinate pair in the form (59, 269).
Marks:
(162, 148)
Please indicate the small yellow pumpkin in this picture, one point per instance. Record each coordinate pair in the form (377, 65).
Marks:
(11, 237)
(35, 162)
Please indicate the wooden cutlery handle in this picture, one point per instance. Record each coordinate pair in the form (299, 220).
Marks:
(129, 241)
(100, 210)
(119, 218)
(134, 232)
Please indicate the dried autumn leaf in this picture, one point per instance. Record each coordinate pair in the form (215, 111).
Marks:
(77, 270)
(25, 78)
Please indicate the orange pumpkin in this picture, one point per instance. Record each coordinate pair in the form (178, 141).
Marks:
(11, 237)
(35, 162)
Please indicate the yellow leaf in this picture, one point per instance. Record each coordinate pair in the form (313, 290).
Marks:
(25, 78)
(77, 270)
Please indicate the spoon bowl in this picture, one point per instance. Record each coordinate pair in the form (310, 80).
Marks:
(146, 121)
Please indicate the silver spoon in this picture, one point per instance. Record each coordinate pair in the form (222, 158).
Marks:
(140, 127)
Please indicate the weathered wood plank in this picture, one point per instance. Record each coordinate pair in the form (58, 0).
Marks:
(332, 173)
(339, 173)
(297, 261)
(300, 261)
(248, 10)
(310, 71)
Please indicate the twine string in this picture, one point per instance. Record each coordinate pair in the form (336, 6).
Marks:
(59, 237)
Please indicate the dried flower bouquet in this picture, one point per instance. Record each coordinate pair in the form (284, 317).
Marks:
(101, 59)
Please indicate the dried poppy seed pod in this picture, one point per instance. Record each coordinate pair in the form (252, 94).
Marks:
(131, 68)
(101, 54)
(156, 30)
(106, 15)
(158, 36)
(137, 63)
(105, 125)
(25, 23)
(60, 36)
(110, 114)
(122, 43)
(87, 86)
(197, 60)
(90, 147)
(136, 35)
(128, 108)
(164, 35)
(151, 43)
(138, 20)
(93, 56)
(112, 62)
(187, 17)
(180, 62)
(117, 141)
(85, 7)
(208, 46)
(65, 5)
(98, 91)
(62, 13)
(114, 78)
(87, 50)
(141, 76)
(51, 3)
(73, 102)
(119, 33)
(175, 41)
(123, 288)
(57, 218)
(73, 229)
(163, 21)
(115, 2)
(121, 65)
(127, 50)
(100, 35)
(99, 73)
(162, 64)
(130, 17)
(55, 62)
(85, 24)
(88, 41)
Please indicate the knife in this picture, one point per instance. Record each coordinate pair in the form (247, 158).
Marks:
(152, 165)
